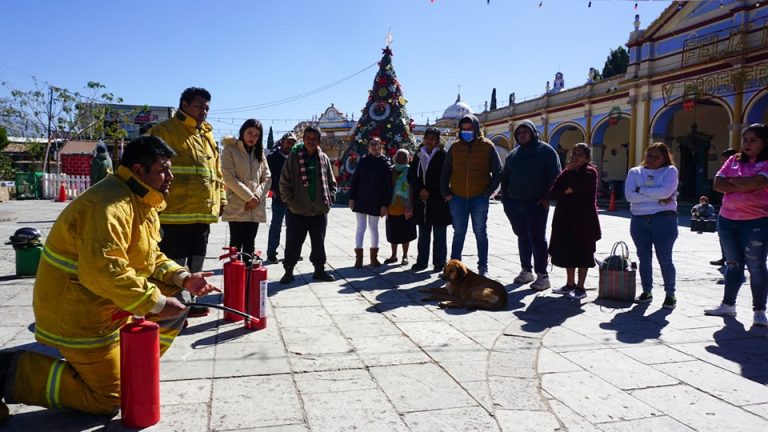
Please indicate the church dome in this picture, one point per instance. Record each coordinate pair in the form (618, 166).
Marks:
(456, 111)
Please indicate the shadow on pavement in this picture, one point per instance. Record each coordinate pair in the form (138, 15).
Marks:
(57, 420)
(633, 326)
(546, 312)
(747, 348)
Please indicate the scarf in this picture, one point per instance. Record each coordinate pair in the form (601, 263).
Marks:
(303, 154)
(425, 157)
(401, 184)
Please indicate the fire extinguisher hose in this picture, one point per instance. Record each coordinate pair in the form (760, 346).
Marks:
(225, 308)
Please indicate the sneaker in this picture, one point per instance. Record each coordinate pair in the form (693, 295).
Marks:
(565, 289)
(577, 294)
(644, 297)
(419, 267)
(722, 310)
(760, 320)
(438, 268)
(524, 277)
(322, 275)
(669, 302)
(404, 261)
(718, 263)
(271, 260)
(390, 260)
(541, 283)
(482, 271)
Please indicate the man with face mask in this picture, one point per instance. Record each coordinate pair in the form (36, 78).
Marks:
(276, 160)
(471, 174)
(529, 172)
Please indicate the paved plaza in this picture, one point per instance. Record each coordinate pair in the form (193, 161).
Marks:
(364, 353)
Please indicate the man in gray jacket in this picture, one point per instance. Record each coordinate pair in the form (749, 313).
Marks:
(308, 188)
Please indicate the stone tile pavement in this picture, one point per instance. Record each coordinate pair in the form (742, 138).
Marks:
(364, 353)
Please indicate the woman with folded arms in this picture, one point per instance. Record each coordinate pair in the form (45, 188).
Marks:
(651, 190)
(743, 222)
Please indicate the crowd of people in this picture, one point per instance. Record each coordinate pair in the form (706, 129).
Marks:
(135, 242)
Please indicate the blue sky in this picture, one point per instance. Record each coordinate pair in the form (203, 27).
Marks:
(253, 52)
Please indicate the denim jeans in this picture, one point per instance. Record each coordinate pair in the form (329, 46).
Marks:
(275, 226)
(745, 243)
(439, 247)
(657, 232)
(461, 210)
(529, 223)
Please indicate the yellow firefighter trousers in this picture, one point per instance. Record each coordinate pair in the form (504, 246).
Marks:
(88, 380)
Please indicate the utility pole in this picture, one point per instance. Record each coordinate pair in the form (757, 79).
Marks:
(50, 115)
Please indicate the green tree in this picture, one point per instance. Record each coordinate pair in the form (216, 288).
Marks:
(270, 139)
(7, 172)
(61, 114)
(493, 99)
(616, 63)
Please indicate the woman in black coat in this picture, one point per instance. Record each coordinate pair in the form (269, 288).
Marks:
(575, 225)
(369, 196)
(430, 211)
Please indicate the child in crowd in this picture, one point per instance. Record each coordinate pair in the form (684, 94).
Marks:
(703, 210)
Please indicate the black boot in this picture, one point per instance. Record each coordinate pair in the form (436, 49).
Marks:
(5, 365)
(321, 275)
(288, 276)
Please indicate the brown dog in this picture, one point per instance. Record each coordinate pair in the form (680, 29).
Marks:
(467, 289)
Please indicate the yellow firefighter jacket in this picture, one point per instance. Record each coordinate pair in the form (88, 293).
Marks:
(100, 258)
(197, 192)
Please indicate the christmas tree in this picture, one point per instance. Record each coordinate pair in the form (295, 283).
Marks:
(385, 117)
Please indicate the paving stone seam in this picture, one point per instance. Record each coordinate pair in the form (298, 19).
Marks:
(434, 360)
(539, 337)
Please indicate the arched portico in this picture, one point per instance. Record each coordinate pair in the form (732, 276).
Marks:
(696, 131)
(564, 136)
(610, 149)
(757, 108)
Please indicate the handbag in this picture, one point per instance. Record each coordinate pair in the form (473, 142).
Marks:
(617, 275)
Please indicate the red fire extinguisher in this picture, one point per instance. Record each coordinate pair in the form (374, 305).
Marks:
(140, 373)
(234, 284)
(256, 296)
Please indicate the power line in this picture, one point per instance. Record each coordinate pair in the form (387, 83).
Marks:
(292, 98)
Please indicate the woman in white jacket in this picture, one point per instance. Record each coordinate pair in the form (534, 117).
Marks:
(247, 178)
(651, 190)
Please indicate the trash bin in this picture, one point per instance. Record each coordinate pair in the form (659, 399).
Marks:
(28, 246)
(29, 185)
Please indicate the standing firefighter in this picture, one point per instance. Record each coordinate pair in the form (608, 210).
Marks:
(100, 264)
(198, 196)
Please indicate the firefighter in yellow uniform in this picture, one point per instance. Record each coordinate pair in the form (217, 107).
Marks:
(197, 196)
(101, 263)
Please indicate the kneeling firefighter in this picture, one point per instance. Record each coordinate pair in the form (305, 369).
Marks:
(101, 263)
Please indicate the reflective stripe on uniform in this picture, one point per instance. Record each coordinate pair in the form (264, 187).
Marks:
(59, 261)
(188, 218)
(164, 269)
(192, 170)
(53, 385)
(147, 294)
(76, 343)
(167, 340)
